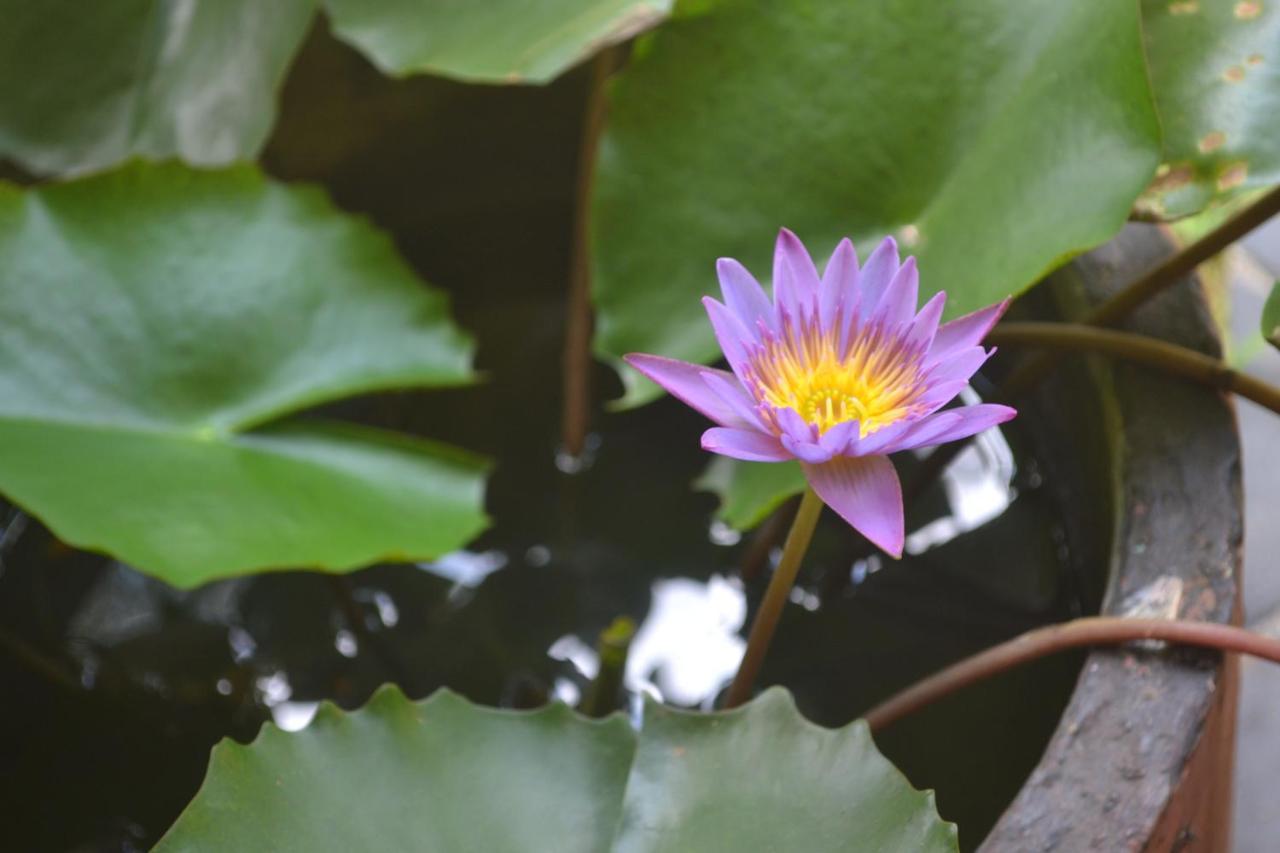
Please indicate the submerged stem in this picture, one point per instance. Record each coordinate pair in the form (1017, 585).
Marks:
(1042, 642)
(577, 346)
(613, 647)
(775, 598)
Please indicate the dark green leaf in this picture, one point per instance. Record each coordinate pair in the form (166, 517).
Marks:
(1215, 70)
(87, 85)
(1271, 317)
(447, 775)
(749, 491)
(152, 318)
(995, 138)
(495, 41)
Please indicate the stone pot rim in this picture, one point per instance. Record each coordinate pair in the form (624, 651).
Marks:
(1124, 751)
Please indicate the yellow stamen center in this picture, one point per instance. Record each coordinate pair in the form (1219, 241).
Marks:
(874, 381)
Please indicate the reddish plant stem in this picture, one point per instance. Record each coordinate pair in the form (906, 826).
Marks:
(1151, 352)
(576, 417)
(1078, 633)
(1155, 280)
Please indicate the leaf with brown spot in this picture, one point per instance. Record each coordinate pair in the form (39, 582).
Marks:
(1215, 74)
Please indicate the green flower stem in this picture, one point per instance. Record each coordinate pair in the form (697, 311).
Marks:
(613, 647)
(775, 598)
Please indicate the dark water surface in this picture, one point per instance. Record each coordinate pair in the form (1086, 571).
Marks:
(117, 685)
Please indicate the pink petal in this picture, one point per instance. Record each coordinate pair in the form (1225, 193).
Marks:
(955, 424)
(727, 387)
(926, 322)
(866, 493)
(899, 300)
(795, 426)
(746, 444)
(743, 294)
(733, 337)
(947, 379)
(838, 437)
(839, 282)
(795, 278)
(875, 443)
(965, 332)
(806, 451)
(878, 272)
(939, 395)
(961, 364)
(685, 382)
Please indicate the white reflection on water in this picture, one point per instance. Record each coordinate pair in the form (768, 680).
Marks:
(978, 484)
(294, 716)
(688, 647)
(466, 568)
(346, 644)
(574, 650)
(686, 650)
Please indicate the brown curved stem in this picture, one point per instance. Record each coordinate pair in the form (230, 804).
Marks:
(576, 417)
(1078, 633)
(1154, 281)
(1151, 352)
(775, 598)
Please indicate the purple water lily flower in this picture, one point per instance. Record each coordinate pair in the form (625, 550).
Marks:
(837, 371)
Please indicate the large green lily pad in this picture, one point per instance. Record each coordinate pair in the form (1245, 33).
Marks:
(156, 323)
(995, 138)
(445, 775)
(495, 41)
(1215, 71)
(87, 85)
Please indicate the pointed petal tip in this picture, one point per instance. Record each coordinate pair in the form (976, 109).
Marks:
(791, 245)
(866, 493)
(1007, 413)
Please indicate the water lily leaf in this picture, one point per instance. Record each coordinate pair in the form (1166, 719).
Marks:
(1215, 71)
(497, 41)
(87, 85)
(444, 774)
(994, 138)
(749, 491)
(153, 318)
(1271, 317)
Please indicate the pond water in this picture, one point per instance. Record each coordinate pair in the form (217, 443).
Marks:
(118, 685)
